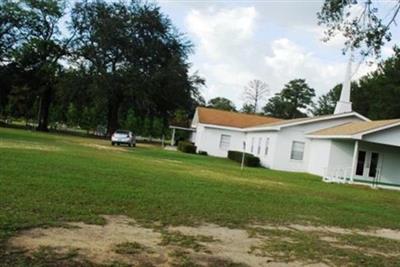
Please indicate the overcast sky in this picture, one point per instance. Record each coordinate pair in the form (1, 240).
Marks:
(274, 41)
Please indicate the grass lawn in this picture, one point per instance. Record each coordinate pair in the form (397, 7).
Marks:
(48, 179)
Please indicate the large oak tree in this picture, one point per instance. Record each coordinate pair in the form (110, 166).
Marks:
(135, 56)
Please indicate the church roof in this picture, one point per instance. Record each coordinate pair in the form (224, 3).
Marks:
(299, 121)
(354, 128)
(232, 119)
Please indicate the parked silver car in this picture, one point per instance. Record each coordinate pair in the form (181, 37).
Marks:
(123, 137)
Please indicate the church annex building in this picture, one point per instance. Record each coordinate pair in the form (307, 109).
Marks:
(342, 147)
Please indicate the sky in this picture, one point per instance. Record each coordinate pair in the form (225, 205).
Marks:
(270, 40)
(236, 41)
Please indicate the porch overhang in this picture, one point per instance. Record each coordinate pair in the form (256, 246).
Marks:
(182, 128)
(174, 128)
(383, 157)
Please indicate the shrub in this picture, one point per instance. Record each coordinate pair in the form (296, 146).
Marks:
(203, 153)
(249, 159)
(187, 147)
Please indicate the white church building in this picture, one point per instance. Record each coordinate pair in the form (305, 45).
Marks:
(342, 147)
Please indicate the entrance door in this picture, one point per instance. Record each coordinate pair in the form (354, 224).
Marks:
(368, 164)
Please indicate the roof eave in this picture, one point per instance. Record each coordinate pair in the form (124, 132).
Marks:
(215, 126)
(379, 129)
(311, 136)
(311, 120)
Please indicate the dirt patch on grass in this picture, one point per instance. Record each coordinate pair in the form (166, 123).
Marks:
(123, 240)
(109, 147)
(168, 161)
(234, 178)
(105, 147)
(28, 146)
(97, 243)
(233, 244)
(382, 233)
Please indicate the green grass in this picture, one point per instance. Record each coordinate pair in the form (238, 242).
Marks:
(340, 250)
(185, 241)
(129, 248)
(47, 179)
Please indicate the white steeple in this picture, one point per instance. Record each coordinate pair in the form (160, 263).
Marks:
(344, 104)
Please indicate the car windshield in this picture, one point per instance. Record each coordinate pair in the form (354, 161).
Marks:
(121, 132)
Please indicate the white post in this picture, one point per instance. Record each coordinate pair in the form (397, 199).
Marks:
(173, 137)
(162, 141)
(354, 163)
(244, 151)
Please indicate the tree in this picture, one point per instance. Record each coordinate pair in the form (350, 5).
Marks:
(37, 49)
(295, 98)
(221, 103)
(376, 95)
(277, 107)
(135, 56)
(196, 82)
(248, 108)
(12, 19)
(131, 122)
(72, 115)
(121, 56)
(254, 93)
(326, 103)
(88, 119)
(364, 30)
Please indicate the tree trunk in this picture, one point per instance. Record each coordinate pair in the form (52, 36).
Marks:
(112, 116)
(165, 123)
(43, 117)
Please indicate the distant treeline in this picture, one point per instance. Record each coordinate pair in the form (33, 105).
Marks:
(116, 64)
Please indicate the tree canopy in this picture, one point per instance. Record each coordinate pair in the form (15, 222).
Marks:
(363, 26)
(119, 61)
(221, 103)
(292, 102)
(376, 95)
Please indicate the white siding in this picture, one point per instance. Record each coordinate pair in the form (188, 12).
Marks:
(388, 137)
(280, 144)
(192, 137)
(341, 155)
(208, 139)
(319, 156)
(265, 160)
(287, 135)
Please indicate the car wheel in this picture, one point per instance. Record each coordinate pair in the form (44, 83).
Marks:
(112, 143)
(134, 145)
(117, 144)
(129, 144)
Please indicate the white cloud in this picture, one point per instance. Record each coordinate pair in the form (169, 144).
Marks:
(232, 49)
(290, 61)
(223, 38)
(219, 30)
